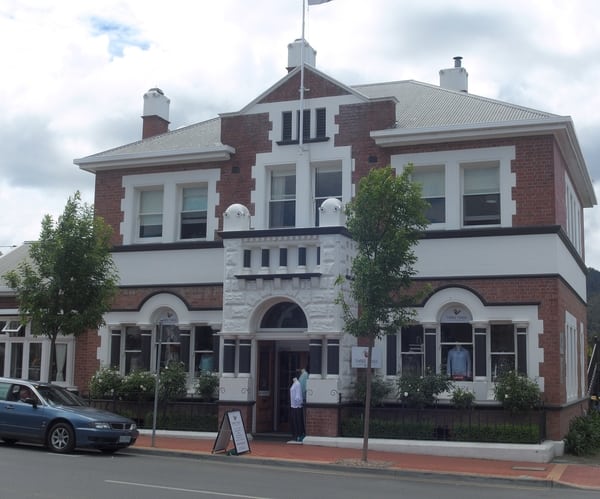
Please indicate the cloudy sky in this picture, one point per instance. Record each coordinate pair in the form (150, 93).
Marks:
(74, 72)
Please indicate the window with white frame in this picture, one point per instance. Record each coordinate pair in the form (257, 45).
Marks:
(151, 213)
(25, 356)
(433, 187)
(137, 349)
(571, 357)
(13, 328)
(168, 207)
(193, 212)
(206, 348)
(503, 351)
(131, 348)
(465, 187)
(574, 226)
(328, 184)
(481, 193)
(460, 350)
(282, 202)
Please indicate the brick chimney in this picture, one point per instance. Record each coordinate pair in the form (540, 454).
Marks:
(455, 78)
(156, 113)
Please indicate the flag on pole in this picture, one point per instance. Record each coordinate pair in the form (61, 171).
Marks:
(317, 2)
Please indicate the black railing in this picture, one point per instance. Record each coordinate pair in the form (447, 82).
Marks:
(478, 424)
(185, 414)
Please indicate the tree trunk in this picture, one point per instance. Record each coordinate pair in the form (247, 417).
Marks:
(365, 448)
(52, 364)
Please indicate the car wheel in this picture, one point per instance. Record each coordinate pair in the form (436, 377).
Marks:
(61, 438)
(9, 441)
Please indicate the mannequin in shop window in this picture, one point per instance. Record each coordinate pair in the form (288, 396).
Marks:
(459, 363)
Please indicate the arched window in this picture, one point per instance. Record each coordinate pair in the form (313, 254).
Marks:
(284, 315)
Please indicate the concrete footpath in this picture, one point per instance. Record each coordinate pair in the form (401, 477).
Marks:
(343, 453)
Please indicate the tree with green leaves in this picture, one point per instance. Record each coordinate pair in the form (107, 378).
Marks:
(385, 219)
(70, 279)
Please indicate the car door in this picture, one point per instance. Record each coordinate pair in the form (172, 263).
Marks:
(22, 420)
(4, 391)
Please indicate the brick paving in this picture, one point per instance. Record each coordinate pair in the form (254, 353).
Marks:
(586, 476)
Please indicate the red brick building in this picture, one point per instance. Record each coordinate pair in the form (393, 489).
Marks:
(229, 236)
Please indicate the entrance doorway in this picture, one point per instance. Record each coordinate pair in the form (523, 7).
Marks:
(278, 363)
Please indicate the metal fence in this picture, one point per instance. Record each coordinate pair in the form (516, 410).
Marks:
(188, 414)
(479, 424)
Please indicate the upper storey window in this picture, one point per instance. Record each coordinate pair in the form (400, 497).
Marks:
(151, 213)
(481, 194)
(168, 207)
(465, 188)
(574, 224)
(433, 186)
(313, 126)
(282, 203)
(193, 212)
(328, 184)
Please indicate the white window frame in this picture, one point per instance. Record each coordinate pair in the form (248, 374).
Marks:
(426, 195)
(172, 184)
(26, 340)
(573, 215)
(181, 191)
(452, 161)
(140, 214)
(324, 168)
(487, 190)
(281, 172)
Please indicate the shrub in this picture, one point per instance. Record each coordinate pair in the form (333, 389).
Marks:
(138, 385)
(206, 385)
(584, 435)
(419, 391)
(463, 399)
(380, 389)
(106, 382)
(517, 392)
(173, 381)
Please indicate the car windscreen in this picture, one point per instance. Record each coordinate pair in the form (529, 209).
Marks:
(55, 395)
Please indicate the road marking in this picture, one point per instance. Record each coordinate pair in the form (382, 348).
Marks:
(178, 489)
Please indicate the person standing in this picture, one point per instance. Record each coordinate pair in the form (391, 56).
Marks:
(303, 379)
(296, 416)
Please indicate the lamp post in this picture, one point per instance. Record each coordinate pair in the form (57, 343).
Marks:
(170, 319)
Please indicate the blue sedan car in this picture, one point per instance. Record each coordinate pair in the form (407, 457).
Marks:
(57, 418)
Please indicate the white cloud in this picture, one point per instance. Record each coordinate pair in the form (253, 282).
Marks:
(74, 72)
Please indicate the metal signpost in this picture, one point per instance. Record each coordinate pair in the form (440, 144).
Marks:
(170, 320)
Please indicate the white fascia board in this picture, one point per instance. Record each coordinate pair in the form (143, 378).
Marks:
(404, 136)
(179, 156)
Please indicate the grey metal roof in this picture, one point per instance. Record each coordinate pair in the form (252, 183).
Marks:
(10, 261)
(205, 133)
(421, 105)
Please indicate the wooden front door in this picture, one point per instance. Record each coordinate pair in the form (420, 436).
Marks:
(265, 400)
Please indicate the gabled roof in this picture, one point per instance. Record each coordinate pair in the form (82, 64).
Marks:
(425, 113)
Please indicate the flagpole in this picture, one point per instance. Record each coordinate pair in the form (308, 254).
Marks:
(303, 42)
